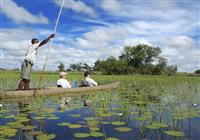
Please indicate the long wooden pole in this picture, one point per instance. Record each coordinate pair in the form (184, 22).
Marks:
(51, 42)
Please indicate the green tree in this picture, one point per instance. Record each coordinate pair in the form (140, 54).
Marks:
(197, 71)
(140, 55)
(86, 67)
(73, 67)
(61, 67)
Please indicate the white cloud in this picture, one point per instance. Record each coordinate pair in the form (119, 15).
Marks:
(77, 6)
(20, 15)
(113, 6)
(182, 51)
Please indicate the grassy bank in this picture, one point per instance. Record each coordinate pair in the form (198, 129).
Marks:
(10, 79)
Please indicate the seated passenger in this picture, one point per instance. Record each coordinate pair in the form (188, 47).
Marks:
(88, 81)
(62, 82)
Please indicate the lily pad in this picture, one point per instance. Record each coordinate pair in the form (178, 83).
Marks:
(64, 124)
(74, 126)
(53, 118)
(105, 123)
(94, 128)
(123, 129)
(46, 136)
(96, 134)
(118, 123)
(175, 133)
(7, 132)
(39, 118)
(75, 115)
(106, 115)
(89, 118)
(15, 124)
(111, 138)
(156, 125)
(28, 127)
(81, 135)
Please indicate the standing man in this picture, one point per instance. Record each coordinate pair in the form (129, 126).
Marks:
(29, 60)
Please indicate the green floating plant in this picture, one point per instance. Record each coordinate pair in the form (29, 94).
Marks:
(106, 114)
(64, 124)
(75, 115)
(6, 131)
(156, 125)
(94, 128)
(118, 123)
(39, 118)
(81, 135)
(28, 127)
(123, 129)
(96, 134)
(175, 133)
(89, 118)
(46, 136)
(15, 124)
(74, 126)
(111, 138)
(105, 123)
(53, 118)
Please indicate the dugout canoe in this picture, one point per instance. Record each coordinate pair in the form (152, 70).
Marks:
(56, 91)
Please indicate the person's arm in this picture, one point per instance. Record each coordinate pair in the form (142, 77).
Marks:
(68, 85)
(92, 82)
(46, 40)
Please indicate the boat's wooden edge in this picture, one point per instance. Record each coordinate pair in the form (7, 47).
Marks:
(57, 91)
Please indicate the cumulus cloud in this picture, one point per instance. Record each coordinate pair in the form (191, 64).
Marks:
(182, 51)
(15, 41)
(20, 15)
(112, 6)
(77, 6)
(176, 35)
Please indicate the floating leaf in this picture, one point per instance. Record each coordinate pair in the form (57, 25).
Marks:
(39, 118)
(74, 126)
(106, 115)
(7, 132)
(34, 133)
(156, 125)
(123, 129)
(8, 117)
(64, 124)
(175, 133)
(96, 134)
(46, 136)
(53, 118)
(94, 128)
(118, 123)
(28, 127)
(89, 118)
(15, 124)
(81, 135)
(104, 122)
(75, 115)
(111, 138)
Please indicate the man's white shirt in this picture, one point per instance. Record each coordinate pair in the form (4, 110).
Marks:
(31, 52)
(63, 83)
(90, 82)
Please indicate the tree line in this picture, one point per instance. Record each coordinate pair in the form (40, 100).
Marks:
(139, 59)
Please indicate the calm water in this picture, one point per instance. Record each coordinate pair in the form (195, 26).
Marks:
(132, 113)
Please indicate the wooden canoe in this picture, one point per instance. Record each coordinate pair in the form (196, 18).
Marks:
(56, 91)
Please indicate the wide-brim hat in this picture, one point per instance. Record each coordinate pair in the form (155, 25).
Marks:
(62, 73)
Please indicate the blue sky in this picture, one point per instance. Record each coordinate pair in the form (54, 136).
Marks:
(96, 29)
